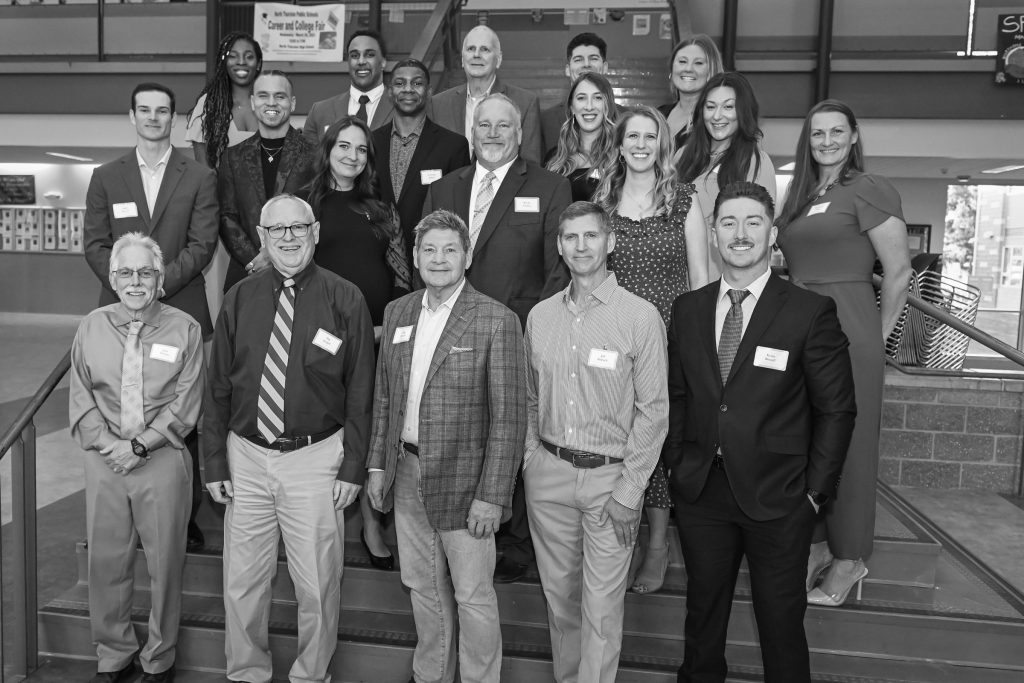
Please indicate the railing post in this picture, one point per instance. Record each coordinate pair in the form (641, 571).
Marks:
(730, 21)
(823, 70)
(101, 54)
(212, 37)
(23, 508)
(2, 619)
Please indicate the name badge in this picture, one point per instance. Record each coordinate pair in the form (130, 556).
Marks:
(603, 358)
(429, 175)
(527, 205)
(326, 341)
(402, 334)
(773, 359)
(163, 352)
(126, 210)
(818, 208)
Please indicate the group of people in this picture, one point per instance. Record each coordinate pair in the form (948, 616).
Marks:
(519, 353)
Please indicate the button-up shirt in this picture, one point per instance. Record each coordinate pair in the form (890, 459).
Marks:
(172, 375)
(471, 103)
(756, 288)
(402, 149)
(598, 380)
(323, 390)
(428, 332)
(355, 93)
(478, 177)
(152, 177)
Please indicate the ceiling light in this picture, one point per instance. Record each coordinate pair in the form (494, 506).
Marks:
(1004, 169)
(62, 155)
(791, 166)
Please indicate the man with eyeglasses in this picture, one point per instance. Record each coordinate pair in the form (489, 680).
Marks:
(136, 388)
(285, 436)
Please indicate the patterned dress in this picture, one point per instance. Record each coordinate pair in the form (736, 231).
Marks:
(650, 261)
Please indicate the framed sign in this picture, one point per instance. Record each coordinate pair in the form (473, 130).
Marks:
(17, 189)
(300, 33)
(1010, 50)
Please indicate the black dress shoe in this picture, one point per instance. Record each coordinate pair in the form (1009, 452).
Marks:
(114, 676)
(195, 540)
(162, 677)
(507, 571)
(385, 562)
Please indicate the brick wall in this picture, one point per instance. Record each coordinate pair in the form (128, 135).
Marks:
(951, 433)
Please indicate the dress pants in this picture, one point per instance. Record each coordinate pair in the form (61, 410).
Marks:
(445, 571)
(149, 503)
(282, 496)
(715, 535)
(582, 566)
(513, 537)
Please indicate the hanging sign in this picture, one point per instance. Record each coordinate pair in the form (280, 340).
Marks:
(300, 33)
(1010, 49)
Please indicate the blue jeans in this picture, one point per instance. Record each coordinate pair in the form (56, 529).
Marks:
(443, 569)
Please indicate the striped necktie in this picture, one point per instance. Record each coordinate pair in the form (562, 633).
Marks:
(732, 332)
(133, 418)
(483, 203)
(270, 406)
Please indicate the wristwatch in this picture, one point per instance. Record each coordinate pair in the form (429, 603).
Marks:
(139, 448)
(816, 497)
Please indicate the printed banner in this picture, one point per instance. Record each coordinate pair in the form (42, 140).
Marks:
(300, 33)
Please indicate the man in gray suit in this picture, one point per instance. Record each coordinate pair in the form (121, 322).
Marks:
(365, 98)
(453, 109)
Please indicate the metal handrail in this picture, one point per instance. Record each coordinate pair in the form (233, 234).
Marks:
(34, 404)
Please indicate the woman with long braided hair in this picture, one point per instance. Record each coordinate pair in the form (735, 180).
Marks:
(222, 114)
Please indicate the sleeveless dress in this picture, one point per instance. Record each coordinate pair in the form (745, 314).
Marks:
(650, 261)
(828, 251)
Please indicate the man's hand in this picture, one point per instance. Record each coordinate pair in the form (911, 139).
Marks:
(221, 491)
(120, 458)
(344, 494)
(484, 518)
(375, 490)
(261, 261)
(624, 519)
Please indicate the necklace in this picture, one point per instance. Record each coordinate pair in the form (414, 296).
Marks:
(829, 186)
(270, 151)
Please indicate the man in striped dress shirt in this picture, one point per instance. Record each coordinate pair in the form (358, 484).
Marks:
(597, 407)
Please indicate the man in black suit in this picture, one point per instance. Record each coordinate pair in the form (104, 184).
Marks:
(511, 206)
(760, 420)
(413, 151)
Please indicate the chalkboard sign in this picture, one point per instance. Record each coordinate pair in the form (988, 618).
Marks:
(1010, 48)
(17, 189)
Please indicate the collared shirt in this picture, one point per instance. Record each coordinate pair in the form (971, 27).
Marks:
(598, 380)
(402, 149)
(152, 177)
(355, 93)
(172, 375)
(756, 288)
(471, 103)
(478, 177)
(428, 332)
(323, 390)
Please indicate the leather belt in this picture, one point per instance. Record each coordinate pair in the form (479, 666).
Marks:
(293, 444)
(411, 448)
(580, 459)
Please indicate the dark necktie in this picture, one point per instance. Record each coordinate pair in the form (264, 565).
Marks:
(361, 114)
(270, 405)
(732, 332)
(133, 418)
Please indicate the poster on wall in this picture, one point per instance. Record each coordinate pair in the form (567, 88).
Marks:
(1010, 49)
(300, 33)
(17, 189)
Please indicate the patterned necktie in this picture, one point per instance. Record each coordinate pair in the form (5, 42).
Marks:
(361, 114)
(483, 202)
(732, 332)
(270, 406)
(133, 418)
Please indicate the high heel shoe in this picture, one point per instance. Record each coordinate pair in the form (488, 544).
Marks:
(815, 568)
(385, 562)
(837, 598)
(652, 574)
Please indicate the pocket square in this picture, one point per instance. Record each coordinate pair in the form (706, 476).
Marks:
(460, 349)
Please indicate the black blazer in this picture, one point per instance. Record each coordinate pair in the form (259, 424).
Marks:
(780, 431)
(437, 149)
(516, 257)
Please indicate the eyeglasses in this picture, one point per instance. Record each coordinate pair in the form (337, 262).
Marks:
(143, 273)
(277, 231)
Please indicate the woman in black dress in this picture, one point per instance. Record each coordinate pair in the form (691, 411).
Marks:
(359, 240)
(588, 135)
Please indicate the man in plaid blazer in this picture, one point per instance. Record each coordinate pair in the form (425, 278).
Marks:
(449, 426)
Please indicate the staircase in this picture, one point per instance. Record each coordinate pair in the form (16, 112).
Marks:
(894, 633)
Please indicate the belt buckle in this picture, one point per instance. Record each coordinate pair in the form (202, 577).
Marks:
(578, 457)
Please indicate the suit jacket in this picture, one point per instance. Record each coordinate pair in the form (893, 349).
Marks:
(437, 149)
(326, 112)
(472, 426)
(516, 257)
(780, 430)
(184, 224)
(448, 109)
(242, 196)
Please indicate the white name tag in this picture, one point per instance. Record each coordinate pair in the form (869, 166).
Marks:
(167, 354)
(603, 358)
(527, 205)
(402, 334)
(429, 175)
(818, 208)
(773, 359)
(326, 341)
(126, 210)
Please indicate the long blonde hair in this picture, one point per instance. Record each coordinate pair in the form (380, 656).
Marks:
(570, 143)
(613, 174)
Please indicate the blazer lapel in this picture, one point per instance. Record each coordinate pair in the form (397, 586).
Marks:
(424, 146)
(458, 323)
(458, 104)
(172, 175)
(772, 299)
(252, 165)
(133, 180)
(383, 113)
(514, 180)
(289, 159)
(462, 191)
(707, 308)
(384, 161)
(408, 316)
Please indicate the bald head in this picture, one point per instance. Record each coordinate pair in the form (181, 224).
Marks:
(481, 53)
